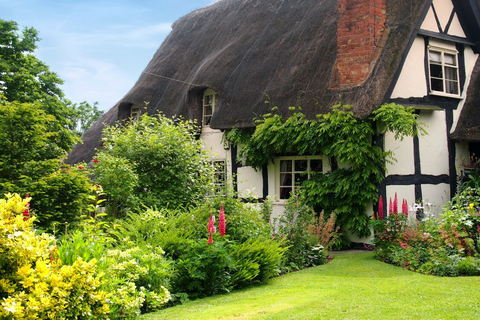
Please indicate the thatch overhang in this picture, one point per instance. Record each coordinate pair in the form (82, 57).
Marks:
(468, 126)
(250, 51)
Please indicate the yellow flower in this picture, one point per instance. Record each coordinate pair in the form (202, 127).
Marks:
(42, 268)
(24, 271)
(471, 206)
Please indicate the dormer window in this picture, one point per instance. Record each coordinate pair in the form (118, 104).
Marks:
(443, 66)
(209, 102)
(135, 113)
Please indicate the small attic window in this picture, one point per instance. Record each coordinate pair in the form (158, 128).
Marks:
(209, 102)
(443, 71)
(135, 113)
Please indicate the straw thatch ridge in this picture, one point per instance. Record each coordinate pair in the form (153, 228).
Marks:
(250, 51)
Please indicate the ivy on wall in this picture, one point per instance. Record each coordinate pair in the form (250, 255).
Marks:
(345, 140)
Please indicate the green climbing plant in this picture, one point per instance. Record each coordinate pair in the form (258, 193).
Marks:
(345, 140)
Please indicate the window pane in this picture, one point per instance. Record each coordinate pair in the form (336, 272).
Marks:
(436, 71)
(208, 100)
(437, 84)
(435, 56)
(285, 165)
(285, 179)
(285, 193)
(451, 87)
(208, 110)
(450, 59)
(301, 165)
(316, 165)
(450, 73)
(300, 177)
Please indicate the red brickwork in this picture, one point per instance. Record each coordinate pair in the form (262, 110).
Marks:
(360, 25)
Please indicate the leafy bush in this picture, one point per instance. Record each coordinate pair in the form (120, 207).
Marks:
(138, 278)
(307, 236)
(446, 247)
(33, 284)
(204, 269)
(59, 192)
(172, 169)
(256, 260)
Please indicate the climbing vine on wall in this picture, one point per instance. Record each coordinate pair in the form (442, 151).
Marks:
(345, 140)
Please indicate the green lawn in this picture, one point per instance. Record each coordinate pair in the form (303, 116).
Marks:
(352, 286)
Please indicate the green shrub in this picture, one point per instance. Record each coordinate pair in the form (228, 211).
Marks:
(33, 283)
(469, 266)
(256, 260)
(307, 237)
(172, 168)
(137, 278)
(204, 269)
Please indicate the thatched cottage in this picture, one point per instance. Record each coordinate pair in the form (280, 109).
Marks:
(220, 63)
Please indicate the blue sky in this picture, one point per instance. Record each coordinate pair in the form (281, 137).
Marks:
(98, 47)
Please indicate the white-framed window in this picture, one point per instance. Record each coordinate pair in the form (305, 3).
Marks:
(293, 171)
(209, 102)
(443, 71)
(220, 175)
(135, 113)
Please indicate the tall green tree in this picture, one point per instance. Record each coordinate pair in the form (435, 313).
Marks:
(84, 116)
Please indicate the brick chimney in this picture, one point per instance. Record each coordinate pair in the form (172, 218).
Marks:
(359, 36)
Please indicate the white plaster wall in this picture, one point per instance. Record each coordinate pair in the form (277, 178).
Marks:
(430, 23)
(437, 194)
(212, 141)
(412, 81)
(249, 183)
(433, 147)
(462, 156)
(403, 153)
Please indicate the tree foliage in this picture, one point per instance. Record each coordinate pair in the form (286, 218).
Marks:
(344, 139)
(84, 116)
(170, 166)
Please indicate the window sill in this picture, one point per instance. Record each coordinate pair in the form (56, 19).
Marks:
(446, 95)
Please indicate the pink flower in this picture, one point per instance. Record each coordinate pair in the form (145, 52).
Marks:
(95, 160)
(221, 221)
(80, 167)
(395, 204)
(380, 208)
(211, 229)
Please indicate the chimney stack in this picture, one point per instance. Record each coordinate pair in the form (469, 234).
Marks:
(359, 31)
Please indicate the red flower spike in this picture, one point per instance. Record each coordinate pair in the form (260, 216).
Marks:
(395, 204)
(221, 221)
(380, 208)
(390, 207)
(405, 207)
(95, 160)
(211, 226)
(210, 239)
(26, 212)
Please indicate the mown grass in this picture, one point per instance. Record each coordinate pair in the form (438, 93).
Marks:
(352, 286)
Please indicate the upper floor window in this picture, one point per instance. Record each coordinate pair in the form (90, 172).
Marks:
(135, 113)
(443, 65)
(293, 171)
(209, 102)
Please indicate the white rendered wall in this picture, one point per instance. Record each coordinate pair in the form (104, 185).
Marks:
(434, 147)
(403, 153)
(444, 9)
(249, 183)
(412, 81)
(438, 195)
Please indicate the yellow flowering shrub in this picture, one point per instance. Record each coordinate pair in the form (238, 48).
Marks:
(33, 284)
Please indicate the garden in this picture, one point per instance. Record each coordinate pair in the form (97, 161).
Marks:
(143, 227)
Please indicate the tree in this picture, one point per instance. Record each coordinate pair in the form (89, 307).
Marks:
(168, 163)
(24, 78)
(84, 116)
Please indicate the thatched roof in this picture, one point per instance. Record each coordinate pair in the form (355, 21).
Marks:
(250, 51)
(468, 126)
